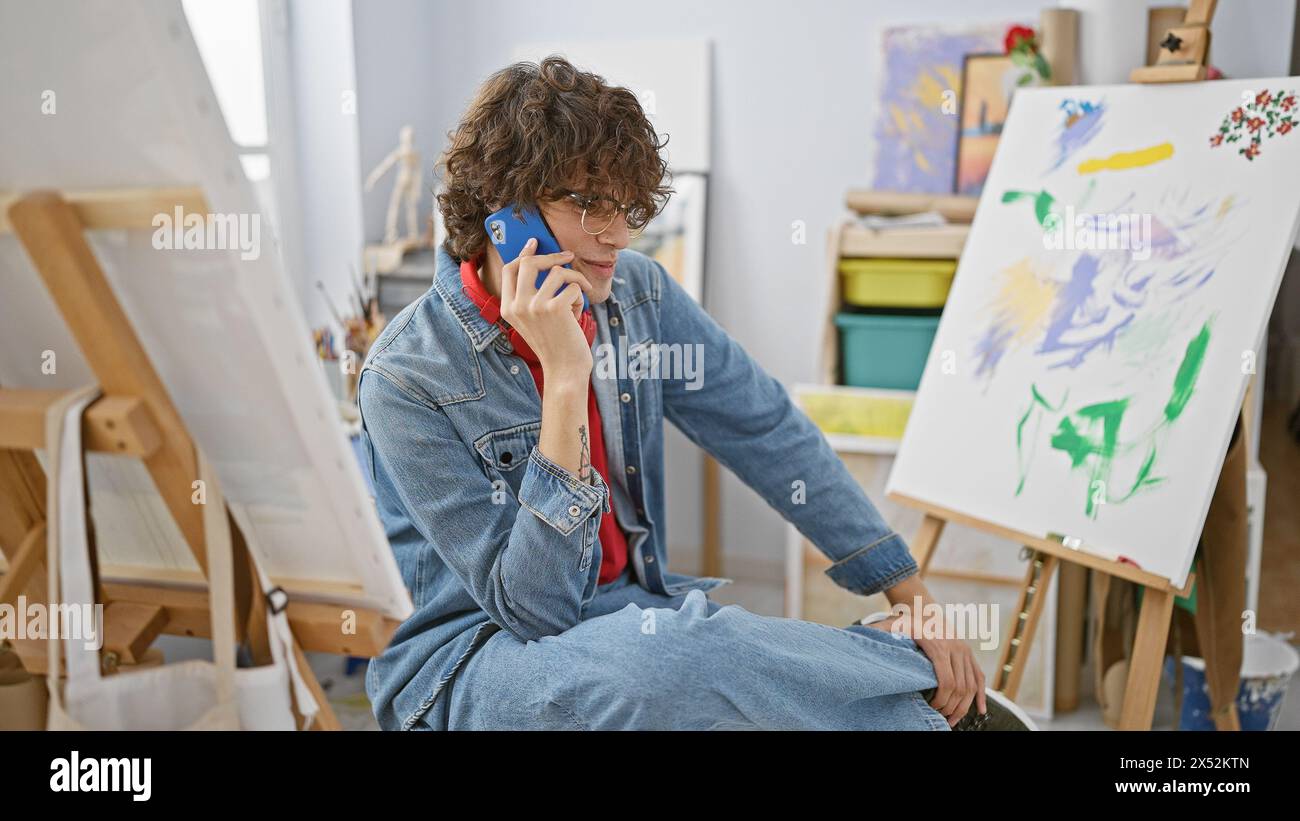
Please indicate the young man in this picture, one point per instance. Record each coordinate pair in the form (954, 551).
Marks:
(521, 482)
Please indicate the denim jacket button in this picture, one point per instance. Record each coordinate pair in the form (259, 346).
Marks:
(649, 559)
(626, 397)
(514, 369)
(631, 469)
(613, 320)
(574, 510)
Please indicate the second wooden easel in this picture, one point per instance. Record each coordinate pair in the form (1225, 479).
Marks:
(135, 417)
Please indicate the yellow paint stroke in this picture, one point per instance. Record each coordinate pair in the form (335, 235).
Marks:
(1024, 300)
(1225, 206)
(1123, 160)
(951, 78)
(920, 160)
(900, 119)
(928, 91)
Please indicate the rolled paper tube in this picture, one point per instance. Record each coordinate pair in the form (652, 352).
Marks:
(1058, 31)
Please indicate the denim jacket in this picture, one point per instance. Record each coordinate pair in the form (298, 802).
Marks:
(491, 535)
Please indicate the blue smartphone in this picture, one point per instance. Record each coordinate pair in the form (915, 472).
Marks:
(509, 234)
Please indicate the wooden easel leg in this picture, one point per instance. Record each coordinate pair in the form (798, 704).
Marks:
(1071, 607)
(1148, 655)
(325, 717)
(22, 507)
(927, 538)
(22, 564)
(1024, 623)
(22, 498)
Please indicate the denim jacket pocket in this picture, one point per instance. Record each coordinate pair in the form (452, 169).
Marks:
(504, 453)
(508, 449)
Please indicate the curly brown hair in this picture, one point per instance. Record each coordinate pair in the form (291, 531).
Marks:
(533, 130)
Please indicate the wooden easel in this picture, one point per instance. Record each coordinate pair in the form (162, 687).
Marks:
(1182, 59)
(134, 417)
(1045, 558)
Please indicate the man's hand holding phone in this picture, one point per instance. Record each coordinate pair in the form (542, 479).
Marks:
(547, 320)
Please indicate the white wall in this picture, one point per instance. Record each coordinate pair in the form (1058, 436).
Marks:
(397, 73)
(329, 176)
(794, 108)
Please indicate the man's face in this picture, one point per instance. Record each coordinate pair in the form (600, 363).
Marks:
(594, 256)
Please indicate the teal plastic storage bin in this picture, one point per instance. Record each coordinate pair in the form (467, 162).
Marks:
(884, 351)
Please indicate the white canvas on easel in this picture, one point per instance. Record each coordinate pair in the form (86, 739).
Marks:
(1091, 392)
(133, 108)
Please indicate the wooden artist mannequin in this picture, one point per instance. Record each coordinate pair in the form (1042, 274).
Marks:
(406, 188)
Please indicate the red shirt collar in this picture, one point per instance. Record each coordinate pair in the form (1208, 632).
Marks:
(489, 307)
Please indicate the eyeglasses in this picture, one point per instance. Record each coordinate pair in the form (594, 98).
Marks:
(598, 213)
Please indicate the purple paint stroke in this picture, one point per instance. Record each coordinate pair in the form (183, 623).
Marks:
(989, 350)
(1108, 290)
(1125, 302)
(1081, 122)
(1074, 312)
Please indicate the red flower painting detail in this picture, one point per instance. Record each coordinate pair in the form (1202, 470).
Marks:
(1272, 114)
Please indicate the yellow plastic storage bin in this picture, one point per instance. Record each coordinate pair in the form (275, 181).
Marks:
(897, 283)
(856, 411)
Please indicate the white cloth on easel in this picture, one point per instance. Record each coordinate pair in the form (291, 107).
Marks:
(190, 695)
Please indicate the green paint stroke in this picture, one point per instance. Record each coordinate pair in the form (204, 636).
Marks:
(1037, 407)
(1090, 436)
(1190, 368)
(1042, 200)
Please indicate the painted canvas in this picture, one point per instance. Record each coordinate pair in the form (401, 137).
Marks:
(920, 92)
(1107, 312)
(988, 81)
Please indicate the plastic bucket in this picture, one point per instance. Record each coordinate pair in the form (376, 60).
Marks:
(1267, 665)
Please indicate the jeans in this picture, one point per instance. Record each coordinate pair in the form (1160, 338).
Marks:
(644, 661)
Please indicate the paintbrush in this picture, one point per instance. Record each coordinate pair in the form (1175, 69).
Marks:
(330, 303)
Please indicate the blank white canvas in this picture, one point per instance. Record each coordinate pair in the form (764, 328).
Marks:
(1085, 327)
(134, 108)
